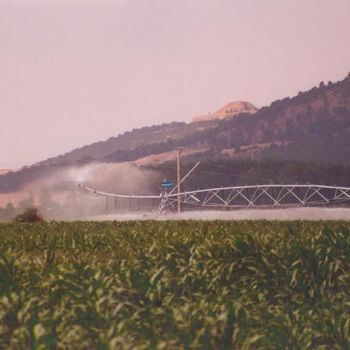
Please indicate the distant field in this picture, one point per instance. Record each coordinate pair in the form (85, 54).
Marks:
(175, 285)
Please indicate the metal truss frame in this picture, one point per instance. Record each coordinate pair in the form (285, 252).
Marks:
(258, 196)
(266, 196)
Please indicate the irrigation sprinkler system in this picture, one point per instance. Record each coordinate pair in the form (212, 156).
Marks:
(236, 197)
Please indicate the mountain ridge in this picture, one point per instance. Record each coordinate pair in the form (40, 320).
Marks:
(313, 126)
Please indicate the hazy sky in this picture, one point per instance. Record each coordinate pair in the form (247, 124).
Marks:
(74, 72)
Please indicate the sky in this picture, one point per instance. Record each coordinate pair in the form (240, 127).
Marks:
(73, 72)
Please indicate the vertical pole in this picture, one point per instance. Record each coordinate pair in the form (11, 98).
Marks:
(178, 153)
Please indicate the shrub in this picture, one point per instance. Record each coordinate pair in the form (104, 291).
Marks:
(29, 215)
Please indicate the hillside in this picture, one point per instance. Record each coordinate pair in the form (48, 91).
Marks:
(129, 141)
(313, 126)
(295, 128)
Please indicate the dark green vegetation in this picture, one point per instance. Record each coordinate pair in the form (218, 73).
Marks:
(175, 285)
(30, 215)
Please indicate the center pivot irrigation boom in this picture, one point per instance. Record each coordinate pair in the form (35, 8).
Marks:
(166, 199)
(236, 197)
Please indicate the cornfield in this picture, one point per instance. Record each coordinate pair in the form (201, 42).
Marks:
(175, 285)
